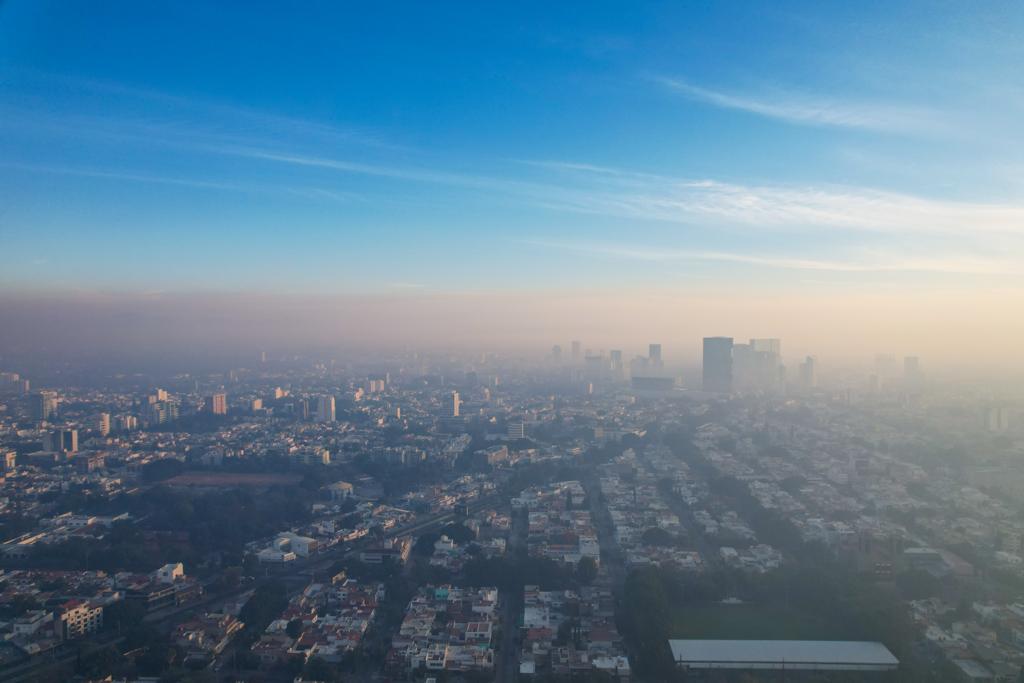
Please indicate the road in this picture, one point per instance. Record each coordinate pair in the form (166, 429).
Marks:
(506, 666)
(612, 558)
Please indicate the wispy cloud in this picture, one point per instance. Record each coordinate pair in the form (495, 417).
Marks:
(160, 113)
(868, 263)
(812, 110)
(124, 175)
(410, 173)
(321, 193)
(105, 174)
(646, 196)
(558, 185)
(780, 207)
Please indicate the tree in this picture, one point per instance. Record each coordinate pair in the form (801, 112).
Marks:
(317, 669)
(17, 606)
(98, 663)
(294, 628)
(267, 601)
(658, 537)
(123, 616)
(586, 570)
(459, 533)
(424, 546)
(647, 621)
(156, 658)
(162, 469)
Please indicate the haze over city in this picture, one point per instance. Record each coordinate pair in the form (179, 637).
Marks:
(581, 342)
(506, 176)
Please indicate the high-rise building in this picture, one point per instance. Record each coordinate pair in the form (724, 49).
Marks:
(44, 405)
(744, 367)
(767, 363)
(757, 366)
(654, 355)
(325, 411)
(127, 423)
(517, 430)
(8, 459)
(450, 419)
(10, 382)
(998, 418)
(639, 366)
(577, 350)
(69, 440)
(616, 365)
(103, 423)
(63, 441)
(78, 618)
(717, 364)
(556, 353)
(770, 346)
(218, 403)
(164, 411)
(807, 375)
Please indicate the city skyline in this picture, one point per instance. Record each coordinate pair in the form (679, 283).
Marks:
(147, 328)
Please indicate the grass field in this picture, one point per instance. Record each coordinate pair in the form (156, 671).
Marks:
(752, 622)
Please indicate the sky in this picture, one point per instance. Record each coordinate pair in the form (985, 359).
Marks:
(424, 169)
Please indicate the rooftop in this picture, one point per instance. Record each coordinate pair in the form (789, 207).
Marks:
(828, 655)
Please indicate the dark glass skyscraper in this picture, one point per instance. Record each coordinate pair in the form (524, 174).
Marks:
(717, 373)
(654, 355)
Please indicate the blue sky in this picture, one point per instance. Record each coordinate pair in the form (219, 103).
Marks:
(431, 147)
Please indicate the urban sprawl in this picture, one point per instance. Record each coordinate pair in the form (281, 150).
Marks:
(502, 518)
